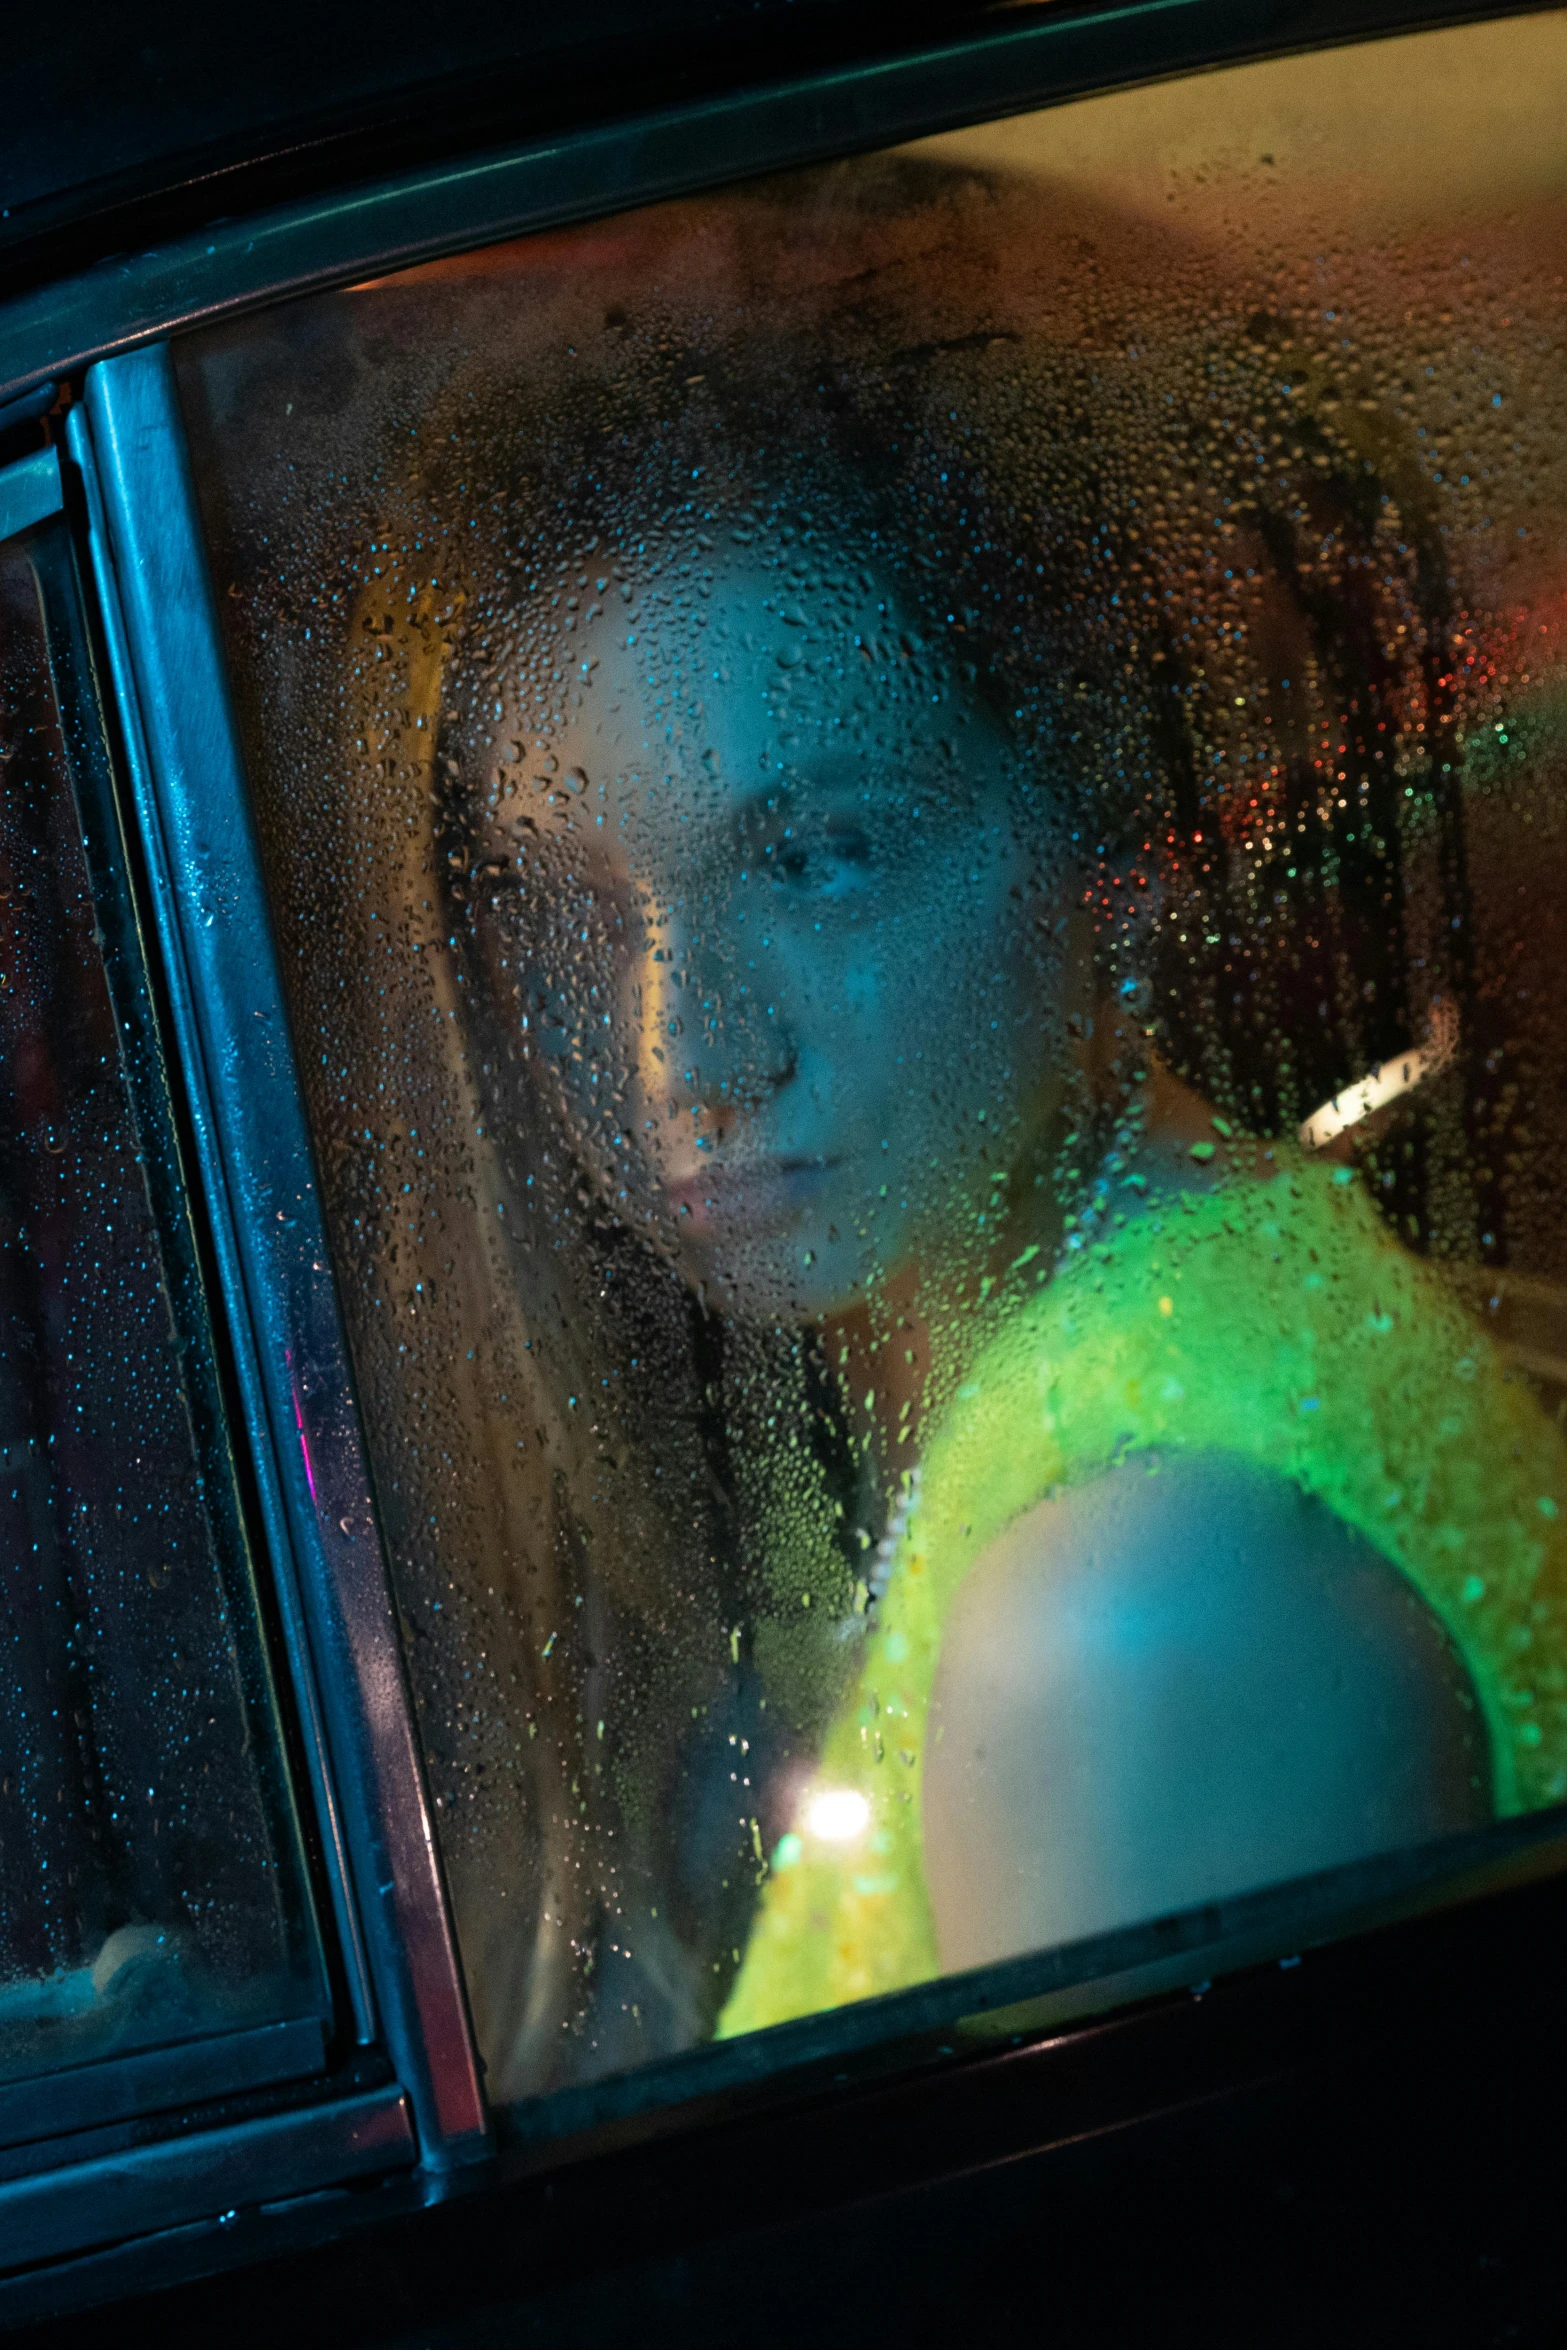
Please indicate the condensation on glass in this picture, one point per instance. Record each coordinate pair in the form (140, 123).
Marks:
(916, 823)
(150, 1869)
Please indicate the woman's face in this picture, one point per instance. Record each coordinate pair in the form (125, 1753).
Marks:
(764, 910)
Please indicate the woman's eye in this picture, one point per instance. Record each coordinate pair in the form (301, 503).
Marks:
(825, 862)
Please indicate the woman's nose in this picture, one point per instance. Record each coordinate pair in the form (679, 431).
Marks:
(708, 1043)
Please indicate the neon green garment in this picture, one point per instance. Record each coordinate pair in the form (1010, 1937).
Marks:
(1278, 1321)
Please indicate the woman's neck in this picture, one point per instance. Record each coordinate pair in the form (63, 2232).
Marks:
(881, 1359)
(885, 1354)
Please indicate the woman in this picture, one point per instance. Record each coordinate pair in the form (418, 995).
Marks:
(712, 1145)
(1195, 1565)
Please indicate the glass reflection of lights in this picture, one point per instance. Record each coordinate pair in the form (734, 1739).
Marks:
(838, 1814)
(1385, 1084)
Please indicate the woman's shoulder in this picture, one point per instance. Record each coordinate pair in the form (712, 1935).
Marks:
(1212, 1541)
(1201, 1325)
(1179, 1679)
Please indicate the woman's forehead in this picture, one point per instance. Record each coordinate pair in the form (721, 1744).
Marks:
(741, 681)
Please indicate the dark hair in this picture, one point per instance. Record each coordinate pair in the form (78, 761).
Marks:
(1311, 928)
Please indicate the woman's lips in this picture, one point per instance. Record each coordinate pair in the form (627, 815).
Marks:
(762, 1196)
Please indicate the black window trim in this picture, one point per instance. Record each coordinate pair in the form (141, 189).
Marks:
(193, 807)
(117, 2143)
(105, 333)
(1046, 59)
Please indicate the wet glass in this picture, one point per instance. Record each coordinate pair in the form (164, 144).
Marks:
(151, 1887)
(915, 819)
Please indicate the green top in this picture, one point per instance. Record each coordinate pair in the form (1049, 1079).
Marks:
(1278, 1321)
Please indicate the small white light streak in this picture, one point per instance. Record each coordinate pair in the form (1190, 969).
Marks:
(1398, 1076)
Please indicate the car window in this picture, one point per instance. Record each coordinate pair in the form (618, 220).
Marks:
(154, 1891)
(914, 820)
